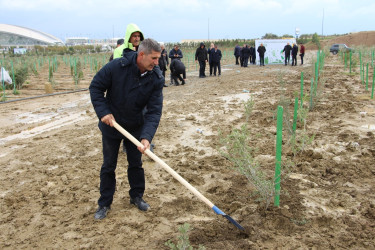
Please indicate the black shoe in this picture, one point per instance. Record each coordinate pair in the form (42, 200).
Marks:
(183, 82)
(165, 85)
(101, 213)
(140, 203)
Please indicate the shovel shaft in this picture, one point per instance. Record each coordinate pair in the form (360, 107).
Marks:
(164, 165)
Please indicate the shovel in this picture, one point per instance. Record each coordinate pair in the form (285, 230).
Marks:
(176, 175)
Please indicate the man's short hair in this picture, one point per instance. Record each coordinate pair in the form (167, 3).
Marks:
(120, 41)
(148, 45)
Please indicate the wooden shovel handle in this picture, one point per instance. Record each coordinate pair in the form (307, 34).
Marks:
(164, 165)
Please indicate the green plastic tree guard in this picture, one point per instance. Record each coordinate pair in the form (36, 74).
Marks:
(279, 139)
(373, 77)
(367, 77)
(301, 88)
(295, 115)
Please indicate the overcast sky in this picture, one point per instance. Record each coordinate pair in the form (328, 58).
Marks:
(174, 20)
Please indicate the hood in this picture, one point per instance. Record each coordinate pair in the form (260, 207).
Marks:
(202, 44)
(130, 29)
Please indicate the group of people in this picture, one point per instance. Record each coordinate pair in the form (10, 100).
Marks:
(211, 55)
(247, 54)
(293, 50)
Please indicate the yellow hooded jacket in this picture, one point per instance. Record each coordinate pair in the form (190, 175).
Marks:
(130, 29)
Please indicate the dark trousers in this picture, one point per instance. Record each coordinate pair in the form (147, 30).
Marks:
(164, 72)
(176, 76)
(294, 60)
(136, 176)
(237, 60)
(287, 59)
(241, 61)
(302, 55)
(202, 68)
(216, 66)
(211, 67)
(261, 60)
(245, 61)
(253, 59)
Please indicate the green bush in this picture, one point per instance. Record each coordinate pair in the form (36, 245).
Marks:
(20, 75)
(183, 242)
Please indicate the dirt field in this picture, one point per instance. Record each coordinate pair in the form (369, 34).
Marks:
(51, 157)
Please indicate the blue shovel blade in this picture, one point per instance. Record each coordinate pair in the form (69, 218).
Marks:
(218, 211)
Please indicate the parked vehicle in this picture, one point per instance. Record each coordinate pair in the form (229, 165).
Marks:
(335, 48)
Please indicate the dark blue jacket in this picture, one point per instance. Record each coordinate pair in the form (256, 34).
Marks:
(237, 50)
(173, 52)
(246, 52)
(119, 89)
(177, 67)
(295, 50)
(215, 55)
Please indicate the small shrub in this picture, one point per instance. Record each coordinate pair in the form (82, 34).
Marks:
(183, 240)
(20, 75)
(248, 105)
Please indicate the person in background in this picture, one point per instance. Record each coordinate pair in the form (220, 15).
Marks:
(132, 40)
(163, 61)
(261, 50)
(177, 68)
(245, 55)
(120, 92)
(241, 55)
(119, 43)
(287, 49)
(294, 54)
(302, 53)
(216, 57)
(236, 53)
(201, 57)
(253, 55)
(175, 54)
(210, 57)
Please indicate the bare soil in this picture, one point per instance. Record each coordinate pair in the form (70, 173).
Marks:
(51, 158)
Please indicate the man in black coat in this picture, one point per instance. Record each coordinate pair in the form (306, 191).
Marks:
(216, 57)
(120, 92)
(253, 55)
(294, 54)
(177, 68)
(261, 50)
(175, 54)
(211, 48)
(236, 53)
(287, 49)
(202, 58)
(241, 54)
(246, 55)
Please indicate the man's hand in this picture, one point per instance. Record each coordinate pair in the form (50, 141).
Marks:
(107, 119)
(146, 145)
